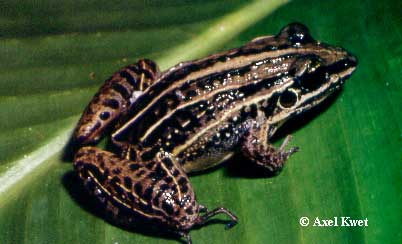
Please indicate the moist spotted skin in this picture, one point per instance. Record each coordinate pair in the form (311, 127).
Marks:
(196, 115)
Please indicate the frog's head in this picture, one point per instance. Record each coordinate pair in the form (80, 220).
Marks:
(317, 71)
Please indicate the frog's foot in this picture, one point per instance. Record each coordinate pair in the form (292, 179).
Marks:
(267, 155)
(201, 220)
(209, 214)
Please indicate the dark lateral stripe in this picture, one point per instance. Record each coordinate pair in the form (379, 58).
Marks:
(175, 78)
(176, 73)
(249, 89)
(166, 85)
(240, 71)
(185, 69)
(211, 77)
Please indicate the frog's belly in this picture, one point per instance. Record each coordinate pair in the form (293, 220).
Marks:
(206, 161)
(212, 148)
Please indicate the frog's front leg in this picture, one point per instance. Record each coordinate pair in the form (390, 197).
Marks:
(114, 99)
(258, 150)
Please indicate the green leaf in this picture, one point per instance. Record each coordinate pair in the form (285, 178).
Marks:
(54, 56)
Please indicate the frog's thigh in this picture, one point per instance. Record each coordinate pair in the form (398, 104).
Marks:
(117, 183)
(158, 190)
(117, 95)
(258, 150)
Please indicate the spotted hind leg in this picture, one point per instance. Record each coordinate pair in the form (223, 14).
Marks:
(114, 99)
(156, 192)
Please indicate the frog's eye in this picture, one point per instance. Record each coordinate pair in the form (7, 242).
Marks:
(297, 34)
(288, 99)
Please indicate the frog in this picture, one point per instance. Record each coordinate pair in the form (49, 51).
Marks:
(196, 115)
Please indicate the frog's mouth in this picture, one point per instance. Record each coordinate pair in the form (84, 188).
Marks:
(343, 69)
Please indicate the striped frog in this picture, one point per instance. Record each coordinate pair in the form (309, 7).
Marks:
(196, 115)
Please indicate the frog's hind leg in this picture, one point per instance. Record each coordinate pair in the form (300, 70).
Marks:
(258, 150)
(156, 191)
(114, 99)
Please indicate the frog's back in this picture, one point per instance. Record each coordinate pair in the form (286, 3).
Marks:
(202, 108)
